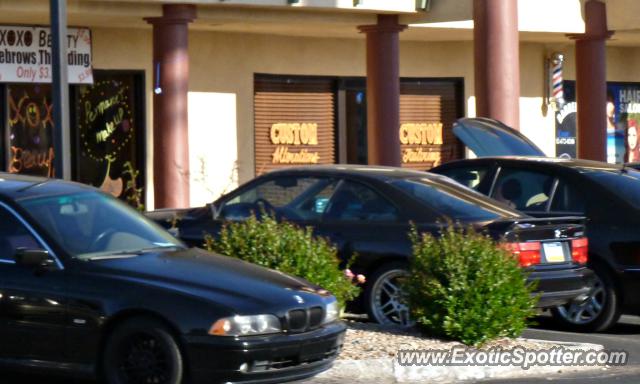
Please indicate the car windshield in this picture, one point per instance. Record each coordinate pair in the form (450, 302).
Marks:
(92, 224)
(625, 184)
(454, 201)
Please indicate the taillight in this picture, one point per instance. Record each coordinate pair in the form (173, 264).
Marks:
(580, 250)
(528, 253)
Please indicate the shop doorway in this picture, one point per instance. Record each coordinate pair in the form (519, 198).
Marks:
(428, 109)
(108, 133)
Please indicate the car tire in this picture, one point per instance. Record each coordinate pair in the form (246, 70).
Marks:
(382, 295)
(599, 312)
(142, 350)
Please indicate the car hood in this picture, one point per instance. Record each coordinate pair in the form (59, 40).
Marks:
(238, 285)
(488, 137)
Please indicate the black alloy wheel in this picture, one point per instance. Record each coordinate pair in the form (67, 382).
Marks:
(142, 351)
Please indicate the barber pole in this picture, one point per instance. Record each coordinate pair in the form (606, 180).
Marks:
(557, 91)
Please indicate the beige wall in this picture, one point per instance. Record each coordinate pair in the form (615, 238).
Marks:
(622, 62)
(227, 62)
(223, 65)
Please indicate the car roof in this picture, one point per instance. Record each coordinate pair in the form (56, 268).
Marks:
(16, 186)
(367, 171)
(579, 164)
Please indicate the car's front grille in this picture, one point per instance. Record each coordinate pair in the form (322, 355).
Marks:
(297, 320)
(316, 314)
(301, 320)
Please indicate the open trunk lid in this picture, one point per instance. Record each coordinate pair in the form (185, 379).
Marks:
(488, 137)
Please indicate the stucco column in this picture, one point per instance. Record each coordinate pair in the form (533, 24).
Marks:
(496, 60)
(591, 83)
(170, 120)
(383, 90)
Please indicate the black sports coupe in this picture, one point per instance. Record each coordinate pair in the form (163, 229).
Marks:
(88, 286)
(367, 210)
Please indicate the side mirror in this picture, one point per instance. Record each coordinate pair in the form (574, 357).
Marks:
(33, 258)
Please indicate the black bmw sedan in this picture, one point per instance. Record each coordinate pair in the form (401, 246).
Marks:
(513, 170)
(90, 287)
(366, 210)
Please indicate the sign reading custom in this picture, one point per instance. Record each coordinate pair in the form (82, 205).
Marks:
(296, 134)
(428, 109)
(294, 121)
(25, 55)
(416, 138)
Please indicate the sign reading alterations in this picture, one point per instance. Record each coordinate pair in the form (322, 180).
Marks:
(25, 55)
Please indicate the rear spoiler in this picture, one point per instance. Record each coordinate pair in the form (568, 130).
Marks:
(525, 222)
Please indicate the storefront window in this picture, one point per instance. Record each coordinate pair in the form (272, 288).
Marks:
(623, 119)
(294, 121)
(428, 109)
(30, 129)
(109, 132)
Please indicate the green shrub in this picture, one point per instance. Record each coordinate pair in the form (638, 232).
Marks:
(462, 286)
(286, 248)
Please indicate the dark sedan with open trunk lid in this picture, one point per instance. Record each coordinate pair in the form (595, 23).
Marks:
(90, 287)
(367, 210)
(513, 169)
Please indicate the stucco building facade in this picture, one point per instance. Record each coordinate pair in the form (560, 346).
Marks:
(278, 82)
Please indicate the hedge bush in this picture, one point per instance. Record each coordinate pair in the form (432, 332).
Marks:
(287, 248)
(463, 286)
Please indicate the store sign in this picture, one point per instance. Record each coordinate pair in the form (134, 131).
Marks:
(418, 136)
(294, 134)
(25, 55)
(566, 118)
(421, 133)
(623, 120)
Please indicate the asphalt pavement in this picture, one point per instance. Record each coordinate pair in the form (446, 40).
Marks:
(624, 336)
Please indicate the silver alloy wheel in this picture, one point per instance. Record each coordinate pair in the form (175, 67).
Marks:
(386, 299)
(590, 309)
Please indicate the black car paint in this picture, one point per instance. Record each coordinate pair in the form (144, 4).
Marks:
(377, 244)
(58, 317)
(612, 222)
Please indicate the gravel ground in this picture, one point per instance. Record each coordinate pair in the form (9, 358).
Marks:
(374, 341)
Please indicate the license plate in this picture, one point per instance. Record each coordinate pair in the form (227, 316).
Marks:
(554, 252)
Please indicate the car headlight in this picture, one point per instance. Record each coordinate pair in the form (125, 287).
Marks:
(332, 312)
(246, 326)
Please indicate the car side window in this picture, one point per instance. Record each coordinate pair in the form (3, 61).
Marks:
(13, 236)
(523, 190)
(356, 202)
(567, 198)
(296, 198)
(470, 177)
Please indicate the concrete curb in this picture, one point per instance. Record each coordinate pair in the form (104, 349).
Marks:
(390, 371)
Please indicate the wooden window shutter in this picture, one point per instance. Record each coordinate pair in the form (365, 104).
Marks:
(300, 114)
(427, 113)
